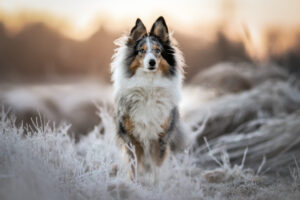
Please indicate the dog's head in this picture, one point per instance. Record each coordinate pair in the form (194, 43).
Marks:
(150, 52)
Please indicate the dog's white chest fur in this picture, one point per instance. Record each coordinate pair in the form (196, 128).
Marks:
(150, 108)
(148, 99)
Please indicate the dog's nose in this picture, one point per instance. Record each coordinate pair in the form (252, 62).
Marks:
(152, 63)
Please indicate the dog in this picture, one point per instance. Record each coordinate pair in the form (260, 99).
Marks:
(147, 75)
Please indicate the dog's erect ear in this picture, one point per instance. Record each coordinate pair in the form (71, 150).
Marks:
(138, 31)
(160, 29)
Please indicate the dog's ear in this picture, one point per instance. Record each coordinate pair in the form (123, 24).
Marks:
(160, 30)
(138, 31)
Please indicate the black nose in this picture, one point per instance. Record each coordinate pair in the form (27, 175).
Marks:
(152, 62)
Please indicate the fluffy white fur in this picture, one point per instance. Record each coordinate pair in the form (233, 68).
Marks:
(154, 95)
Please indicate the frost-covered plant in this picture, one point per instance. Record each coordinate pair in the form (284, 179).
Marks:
(41, 161)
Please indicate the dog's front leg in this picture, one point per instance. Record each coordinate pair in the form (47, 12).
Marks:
(164, 137)
(131, 145)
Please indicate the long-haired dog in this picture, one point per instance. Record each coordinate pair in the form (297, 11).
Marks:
(147, 72)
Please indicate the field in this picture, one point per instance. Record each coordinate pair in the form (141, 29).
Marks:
(242, 122)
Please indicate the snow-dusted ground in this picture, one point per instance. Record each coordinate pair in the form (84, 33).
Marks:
(246, 146)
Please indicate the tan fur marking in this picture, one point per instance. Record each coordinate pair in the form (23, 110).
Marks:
(166, 124)
(164, 66)
(138, 146)
(155, 46)
(158, 153)
(139, 150)
(134, 65)
(144, 47)
(128, 125)
(130, 42)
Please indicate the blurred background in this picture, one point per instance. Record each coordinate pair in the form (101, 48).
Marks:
(55, 54)
(240, 102)
(54, 40)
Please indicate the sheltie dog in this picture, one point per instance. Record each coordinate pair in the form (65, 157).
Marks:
(147, 74)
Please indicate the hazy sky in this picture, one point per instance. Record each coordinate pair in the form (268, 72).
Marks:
(187, 13)
(82, 12)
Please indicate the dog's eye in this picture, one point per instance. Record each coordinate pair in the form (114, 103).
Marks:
(142, 51)
(157, 51)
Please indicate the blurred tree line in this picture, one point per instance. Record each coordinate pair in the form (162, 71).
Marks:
(39, 53)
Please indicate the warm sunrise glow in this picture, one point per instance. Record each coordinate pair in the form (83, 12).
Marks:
(115, 14)
(80, 19)
(118, 14)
